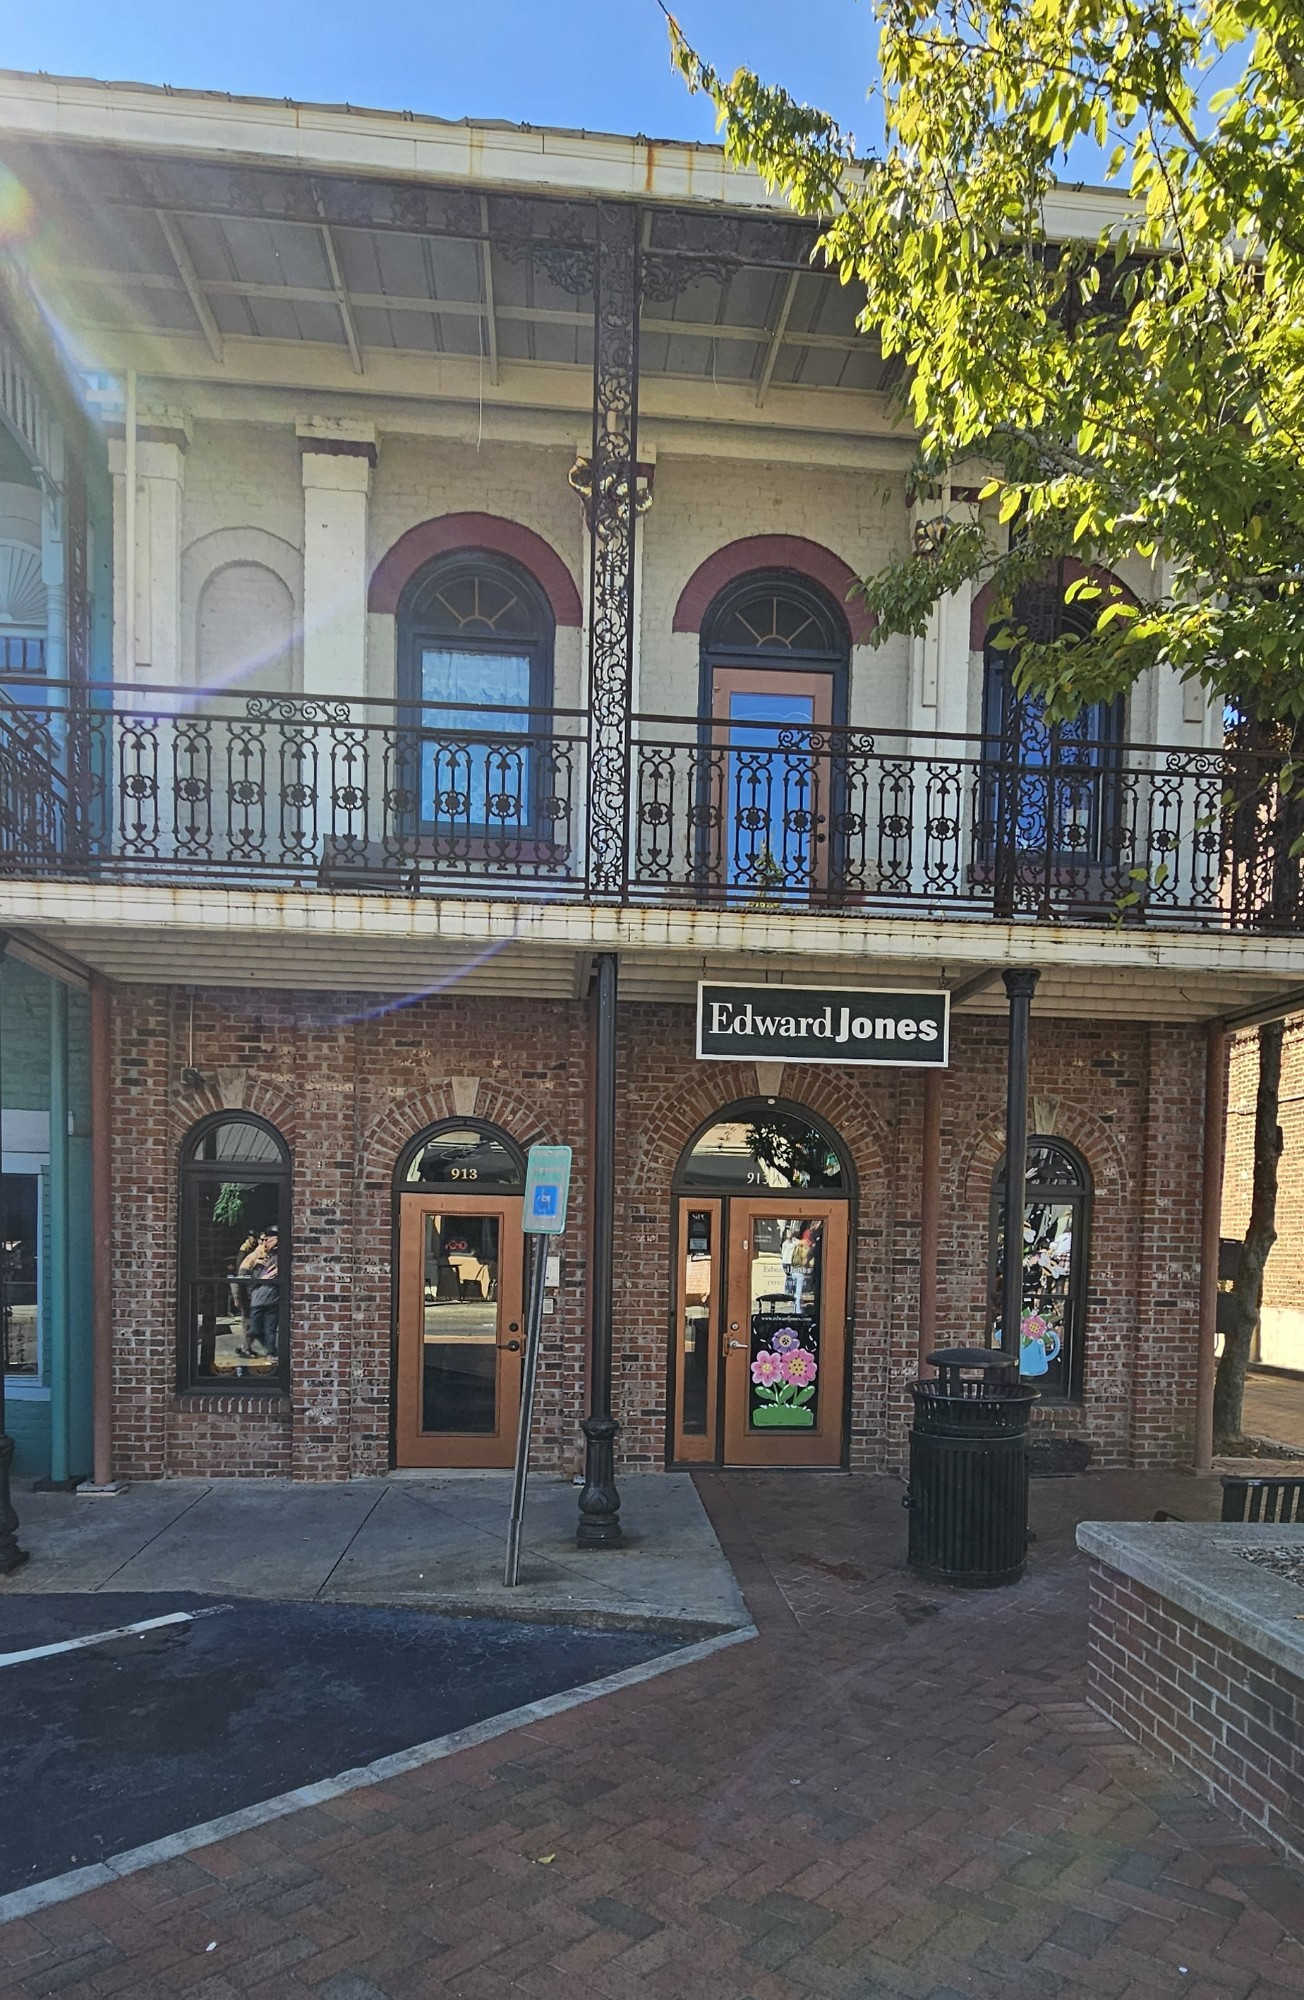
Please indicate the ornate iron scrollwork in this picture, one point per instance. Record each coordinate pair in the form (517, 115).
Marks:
(612, 526)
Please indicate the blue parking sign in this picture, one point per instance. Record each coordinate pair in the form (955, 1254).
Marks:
(547, 1186)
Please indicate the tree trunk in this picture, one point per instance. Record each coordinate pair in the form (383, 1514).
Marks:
(1247, 1290)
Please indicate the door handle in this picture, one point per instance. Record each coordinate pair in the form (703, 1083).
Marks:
(736, 1343)
(510, 1346)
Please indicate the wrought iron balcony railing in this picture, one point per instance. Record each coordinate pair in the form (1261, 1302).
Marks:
(139, 784)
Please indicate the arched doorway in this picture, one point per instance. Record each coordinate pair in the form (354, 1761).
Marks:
(763, 1196)
(460, 1323)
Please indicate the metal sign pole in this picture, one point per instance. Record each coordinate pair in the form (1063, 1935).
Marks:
(547, 1191)
(533, 1337)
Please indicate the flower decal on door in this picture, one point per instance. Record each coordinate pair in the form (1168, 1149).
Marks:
(783, 1382)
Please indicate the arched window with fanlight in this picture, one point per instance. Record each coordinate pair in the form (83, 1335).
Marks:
(1056, 1249)
(475, 665)
(234, 1289)
(1050, 788)
(775, 652)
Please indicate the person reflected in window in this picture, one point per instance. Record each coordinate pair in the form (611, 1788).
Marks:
(262, 1266)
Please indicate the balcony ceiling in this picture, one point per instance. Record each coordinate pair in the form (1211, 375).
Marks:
(144, 249)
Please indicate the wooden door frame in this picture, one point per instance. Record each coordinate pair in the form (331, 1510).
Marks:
(724, 1202)
(456, 1451)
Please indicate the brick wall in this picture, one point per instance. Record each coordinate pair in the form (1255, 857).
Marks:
(1200, 1701)
(1282, 1332)
(349, 1080)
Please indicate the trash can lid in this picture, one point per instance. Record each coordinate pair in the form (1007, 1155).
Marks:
(971, 1357)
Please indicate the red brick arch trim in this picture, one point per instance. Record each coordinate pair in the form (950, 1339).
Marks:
(262, 1099)
(1095, 1141)
(669, 1122)
(401, 1121)
(1073, 571)
(475, 531)
(756, 552)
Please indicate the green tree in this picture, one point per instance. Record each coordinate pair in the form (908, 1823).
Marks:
(1132, 385)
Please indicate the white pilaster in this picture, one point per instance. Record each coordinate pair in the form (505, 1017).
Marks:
(160, 486)
(336, 488)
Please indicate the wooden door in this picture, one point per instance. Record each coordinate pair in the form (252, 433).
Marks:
(771, 787)
(461, 1330)
(783, 1343)
(699, 1297)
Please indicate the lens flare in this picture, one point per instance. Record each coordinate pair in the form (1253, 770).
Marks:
(17, 209)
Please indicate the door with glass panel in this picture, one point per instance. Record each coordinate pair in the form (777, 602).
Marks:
(761, 1273)
(768, 771)
(460, 1330)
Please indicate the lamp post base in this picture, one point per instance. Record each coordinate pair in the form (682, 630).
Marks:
(599, 1522)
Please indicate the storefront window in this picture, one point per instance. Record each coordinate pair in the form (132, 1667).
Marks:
(1056, 1220)
(20, 1326)
(234, 1279)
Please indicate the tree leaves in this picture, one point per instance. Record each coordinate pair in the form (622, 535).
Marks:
(1132, 386)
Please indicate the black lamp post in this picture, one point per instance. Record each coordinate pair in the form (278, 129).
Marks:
(11, 1556)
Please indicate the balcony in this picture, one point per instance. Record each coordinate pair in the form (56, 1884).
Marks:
(183, 787)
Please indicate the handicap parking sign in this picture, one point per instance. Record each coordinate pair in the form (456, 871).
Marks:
(547, 1185)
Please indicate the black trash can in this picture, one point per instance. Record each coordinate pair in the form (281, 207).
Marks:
(968, 1496)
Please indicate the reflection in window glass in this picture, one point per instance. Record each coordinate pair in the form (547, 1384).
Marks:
(699, 1299)
(1054, 1266)
(484, 783)
(234, 1252)
(19, 1251)
(465, 1157)
(785, 1287)
(770, 1149)
(459, 1346)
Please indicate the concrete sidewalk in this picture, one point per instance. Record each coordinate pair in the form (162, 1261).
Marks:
(439, 1543)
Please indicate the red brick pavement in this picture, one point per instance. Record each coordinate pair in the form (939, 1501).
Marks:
(895, 1793)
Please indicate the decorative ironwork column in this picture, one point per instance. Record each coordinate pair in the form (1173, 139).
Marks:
(1020, 987)
(613, 513)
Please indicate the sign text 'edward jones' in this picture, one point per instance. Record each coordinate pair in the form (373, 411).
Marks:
(823, 1024)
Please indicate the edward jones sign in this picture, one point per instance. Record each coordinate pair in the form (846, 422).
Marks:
(822, 1024)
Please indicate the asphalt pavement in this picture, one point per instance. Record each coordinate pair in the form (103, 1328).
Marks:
(110, 1746)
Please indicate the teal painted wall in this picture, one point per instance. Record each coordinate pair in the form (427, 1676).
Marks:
(25, 1086)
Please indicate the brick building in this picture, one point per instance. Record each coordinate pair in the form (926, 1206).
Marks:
(1280, 1342)
(487, 675)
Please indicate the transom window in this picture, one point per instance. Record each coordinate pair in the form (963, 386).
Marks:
(760, 1147)
(776, 614)
(465, 1156)
(1056, 1227)
(233, 1294)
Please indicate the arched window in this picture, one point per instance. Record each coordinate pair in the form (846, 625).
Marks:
(234, 1287)
(1056, 1248)
(1051, 788)
(475, 651)
(774, 681)
(462, 1156)
(762, 1146)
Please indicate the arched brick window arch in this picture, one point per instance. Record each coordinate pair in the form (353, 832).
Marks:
(773, 552)
(467, 533)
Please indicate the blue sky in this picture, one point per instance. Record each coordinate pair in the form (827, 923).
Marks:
(601, 64)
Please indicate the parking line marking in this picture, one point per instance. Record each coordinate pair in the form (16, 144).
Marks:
(61, 1888)
(95, 1638)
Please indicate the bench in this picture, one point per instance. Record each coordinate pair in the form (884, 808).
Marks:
(1279, 1499)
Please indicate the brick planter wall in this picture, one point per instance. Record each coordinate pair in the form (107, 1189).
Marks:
(350, 1079)
(1202, 1702)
